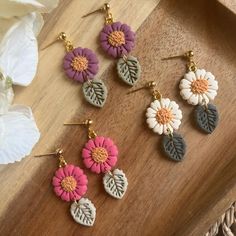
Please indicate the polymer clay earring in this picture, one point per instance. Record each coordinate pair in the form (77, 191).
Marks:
(81, 65)
(100, 156)
(163, 116)
(70, 184)
(117, 40)
(198, 87)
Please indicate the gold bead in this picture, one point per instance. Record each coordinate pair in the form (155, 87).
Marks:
(89, 122)
(62, 36)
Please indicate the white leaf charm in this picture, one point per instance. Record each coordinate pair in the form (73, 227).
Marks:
(18, 134)
(115, 183)
(83, 212)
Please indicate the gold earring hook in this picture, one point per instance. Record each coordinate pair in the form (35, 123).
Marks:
(191, 65)
(106, 8)
(149, 85)
(62, 37)
(58, 153)
(88, 123)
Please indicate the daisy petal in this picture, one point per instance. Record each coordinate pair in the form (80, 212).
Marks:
(68, 170)
(65, 196)
(200, 73)
(186, 93)
(90, 145)
(96, 168)
(177, 114)
(105, 167)
(211, 94)
(193, 99)
(158, 129)
(60, 173)
(156, 105)
(190, 76)
(150, 113)
(152, 122)
(165, 102)
(88, 162)
(56, 181)
(185, 84)
(175, 123)
(58, 191)
(86, 153)
(99, 141)
(111, 161)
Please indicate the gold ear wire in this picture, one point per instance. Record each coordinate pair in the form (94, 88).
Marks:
(189, 56)
(149, 85)
(63, 37)
(106, 8)
(88, 123)
(58, 153)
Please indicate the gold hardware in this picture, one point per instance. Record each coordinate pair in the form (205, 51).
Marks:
(88, 123)
(62, 36)
(150, 85)
(58, 153)
(191, 65)
(106, 8)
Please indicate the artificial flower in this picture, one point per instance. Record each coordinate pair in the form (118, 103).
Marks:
(18, 134)
(70, 183)
(80, 64)
(12, 8)
(100, 154)
(117, 39)
(198, 87)
(6, 93)
(164, 116)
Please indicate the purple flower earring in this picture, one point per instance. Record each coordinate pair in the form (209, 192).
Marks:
(117, 40)
(81, 65)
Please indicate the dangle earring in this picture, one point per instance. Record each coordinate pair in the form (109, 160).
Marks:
(117, 40)
(163, 116)
(70, 184)
(100, 156)
(81, 65)
(198, 87)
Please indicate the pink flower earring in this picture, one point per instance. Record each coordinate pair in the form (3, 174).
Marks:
(117, 40)
(81, 65)
(70, 184)
(100, 155)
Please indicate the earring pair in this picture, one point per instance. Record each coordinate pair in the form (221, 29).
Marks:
(164, 116)
(70, 183)
(81, 64)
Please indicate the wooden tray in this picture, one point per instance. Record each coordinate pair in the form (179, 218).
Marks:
(163, 198)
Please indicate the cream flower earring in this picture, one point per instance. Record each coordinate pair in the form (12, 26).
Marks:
(198, 87)
(163, 116)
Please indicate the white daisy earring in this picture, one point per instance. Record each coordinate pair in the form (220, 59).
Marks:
(198, 87)
(164, 116)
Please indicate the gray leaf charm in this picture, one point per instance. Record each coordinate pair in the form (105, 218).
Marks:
(174, 146)
(115, 183)
(95, 92)
(129, 69)
(206, 117)
(83, 212)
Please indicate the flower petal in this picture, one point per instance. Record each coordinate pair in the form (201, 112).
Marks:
(56, 181)
(193, 99)
(58, 191)
(96, 167)
(155, 105)
(81, 190)
(105, 167)
(190, 76)
(68, 170)
(175, 123)
(88, 162)
(60, 173)
(65, 196)
(165, 102)
(185, 84)
(152, 122)
(90, 145)
(186, 93)
(151, 113)
(158, 129)
(111, 161)
(211, 94)
(200, 73)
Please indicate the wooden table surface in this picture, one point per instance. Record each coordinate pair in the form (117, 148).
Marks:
(163, 198)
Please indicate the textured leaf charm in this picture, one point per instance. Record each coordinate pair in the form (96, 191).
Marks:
(95, 92)
(83, 212)
(207, 117)
(174, 146)
(129, 70)
(115, 183)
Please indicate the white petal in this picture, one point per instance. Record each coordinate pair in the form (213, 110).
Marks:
(193, 99)
(200, 99)
(151, 122)
(200, 73)
(156, 105)
(211, 94)
(158, 129)
(190, 76)
(184, 84)
(213, 85)
(12, 8)
(177, 114)
(205, 99)
(173, 106)
(18, 134)
(175, 123)
(165, 102)
(166, 129)
(209, 76)
(19, 52)
(150, 113)
(186, 93)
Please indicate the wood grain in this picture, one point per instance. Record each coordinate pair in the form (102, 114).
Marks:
(163, 198)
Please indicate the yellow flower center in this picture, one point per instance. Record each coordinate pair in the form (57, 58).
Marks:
(79, 63)
(164, 116)
(199, 86)
(69, 184)
(99, 154)
(116, 38)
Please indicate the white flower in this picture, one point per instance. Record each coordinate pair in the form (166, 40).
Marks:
(198, 87)
(6, 93)
(12, 8)
(164, 116)
(18, 134)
